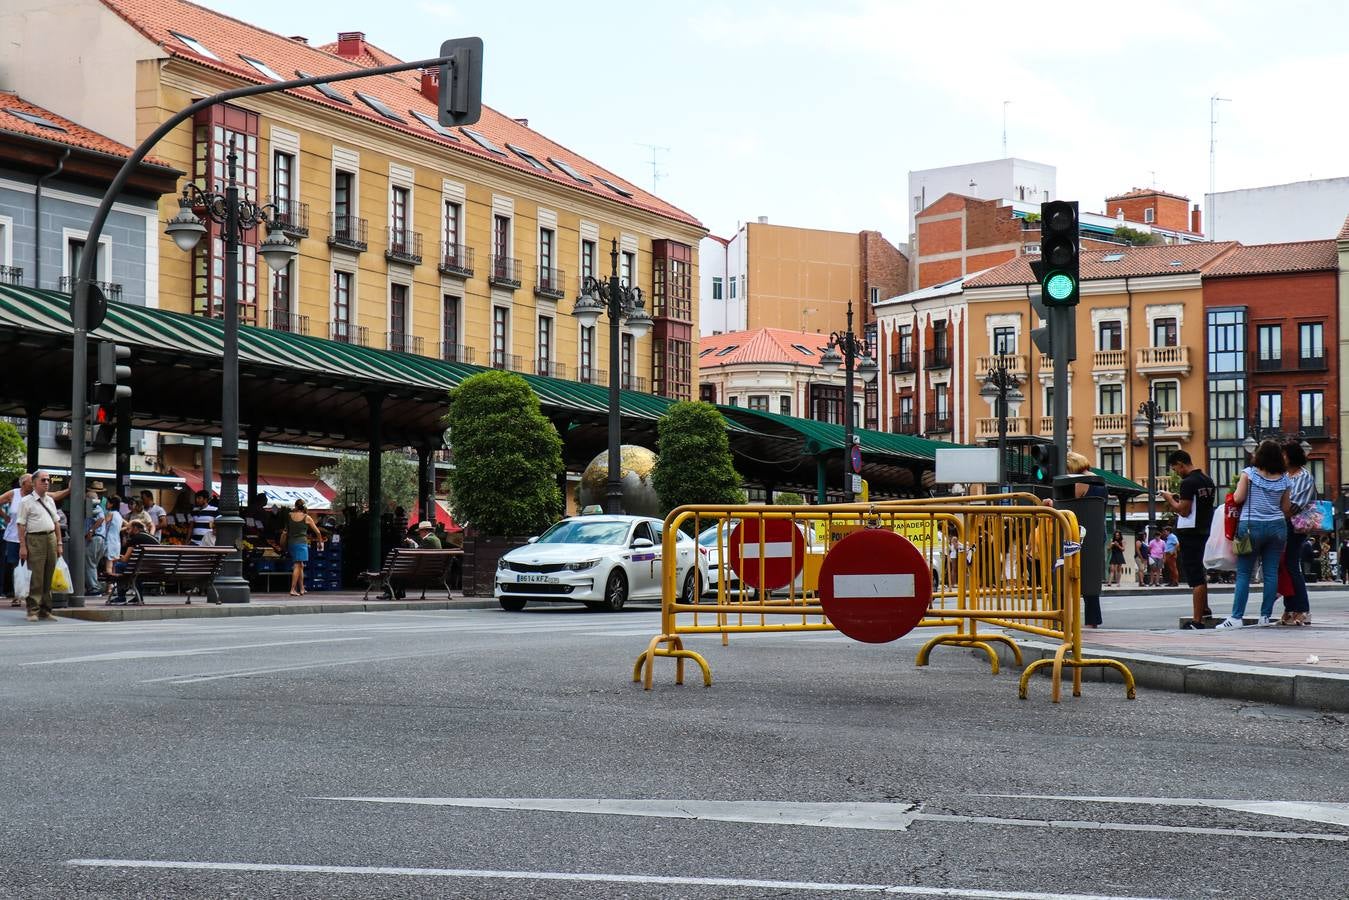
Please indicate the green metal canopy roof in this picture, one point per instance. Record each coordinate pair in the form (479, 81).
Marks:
(822, 437)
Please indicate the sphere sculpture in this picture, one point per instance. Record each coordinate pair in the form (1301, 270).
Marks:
(636, 466)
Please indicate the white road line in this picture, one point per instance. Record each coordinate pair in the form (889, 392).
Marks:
(1135, 826)
(217, 676)
(1331, 813)
(902, 890)
(117, 655)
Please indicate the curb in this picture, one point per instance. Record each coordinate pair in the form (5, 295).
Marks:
(1135, 591)
(209, 611)
(1261, 684)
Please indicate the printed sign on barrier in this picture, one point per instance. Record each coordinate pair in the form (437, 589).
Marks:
(875, 586)
(777, 542)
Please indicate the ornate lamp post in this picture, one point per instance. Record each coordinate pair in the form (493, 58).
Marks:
(1146, 423)
(236, 216)
(1001, 386)
(624, 304)
(853, 355)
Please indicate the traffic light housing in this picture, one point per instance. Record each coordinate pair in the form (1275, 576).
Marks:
(113, 373)
(461, 82)
(1057, 269)
(102, 419)
(1045, 463)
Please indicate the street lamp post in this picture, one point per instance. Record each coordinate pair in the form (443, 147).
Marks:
(623, 303)
(1147, 421)
(235, 216)
(1001, 386)
(854, 356)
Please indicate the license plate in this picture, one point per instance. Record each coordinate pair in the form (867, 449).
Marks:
(539, 579)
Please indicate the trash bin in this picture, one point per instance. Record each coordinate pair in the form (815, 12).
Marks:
(1090, 512)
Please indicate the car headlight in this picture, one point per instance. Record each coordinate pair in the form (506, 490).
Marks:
(583, 565)
(503, 565)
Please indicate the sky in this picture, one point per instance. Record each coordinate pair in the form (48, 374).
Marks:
(813, 113)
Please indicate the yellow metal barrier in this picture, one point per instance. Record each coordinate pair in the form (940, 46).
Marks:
(1002, 561)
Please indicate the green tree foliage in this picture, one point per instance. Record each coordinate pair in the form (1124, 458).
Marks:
(13, 455)
(1136, 238)
(694, 458)
(789, 498)
(351, 478)
(507, 456)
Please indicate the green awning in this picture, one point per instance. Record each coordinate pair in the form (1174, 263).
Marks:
(823, 437)
(1118, 484)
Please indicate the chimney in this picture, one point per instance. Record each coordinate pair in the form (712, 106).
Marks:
(524, 122)
(1196, 220)
(351, 44)
(763, 220)
(431, 84)
(300, 39)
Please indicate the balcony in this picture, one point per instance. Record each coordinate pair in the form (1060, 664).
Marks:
(633, 383)
(1177, 425)
(1111, 423)
(551, 283)
(404, 247)
(1268, 363)
(904, 423)
(399, 342)
(111, 289)
(1015, 362)
(1017, 426)
(1047, 426)
(509, 361)
(550, 368)
(347, 233)
(1313, 359)
(456, 259)
(1164, 360)
(937, 358)
(1314, 432)
(290, 323)
(504, 272)
(937, 422)
(592, 375)
(455, 352)
(346, 333)
(293, 217)
(11, 275)
(902, 363)
(1109, 361)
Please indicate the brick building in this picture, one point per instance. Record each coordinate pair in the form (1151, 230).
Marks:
(1153, 207)
(923, 383)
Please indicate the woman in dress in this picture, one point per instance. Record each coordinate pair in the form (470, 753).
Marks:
(299, 524)
(1301, 494)
(1116, 558)
(1262, 492)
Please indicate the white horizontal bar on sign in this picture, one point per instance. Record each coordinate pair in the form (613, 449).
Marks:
(770, 550)
(862, 586)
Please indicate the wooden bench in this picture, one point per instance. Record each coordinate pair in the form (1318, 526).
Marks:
(186, 566)
(427, 568)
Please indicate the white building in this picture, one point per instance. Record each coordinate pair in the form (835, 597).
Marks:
(722, 268)
(996, 179)
(1278, 213)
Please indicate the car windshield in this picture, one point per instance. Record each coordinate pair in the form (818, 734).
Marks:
(709, 536)
(578, 531)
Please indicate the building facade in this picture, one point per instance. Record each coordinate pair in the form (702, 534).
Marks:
(1298, 211)
(996, 179)
(924, 345)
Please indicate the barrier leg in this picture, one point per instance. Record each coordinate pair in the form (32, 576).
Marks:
(958, 640)
(644, 668)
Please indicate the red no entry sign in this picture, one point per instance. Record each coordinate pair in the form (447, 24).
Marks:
(767, 553)
(875, 586)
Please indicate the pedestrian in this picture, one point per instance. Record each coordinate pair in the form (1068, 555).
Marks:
(203, 520)
(40, 544)
(1262, 492)
(1193, 507)
(1141, 557)
(112, 532)
(1116, 558)
(426, 536)
(1156, 553)
(180, 520)
(1325, 559)
(1301, 494)
(299, 524)
(159, 519)
(136, 536)
(1344, 560)
(95, 542)
(138, 513)
(14, 497)
(1170, 567)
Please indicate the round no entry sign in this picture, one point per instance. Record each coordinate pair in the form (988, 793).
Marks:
(767, 553)
(875, 586)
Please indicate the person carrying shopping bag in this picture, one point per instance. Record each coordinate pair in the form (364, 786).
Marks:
(1262, 531)
(40, 545)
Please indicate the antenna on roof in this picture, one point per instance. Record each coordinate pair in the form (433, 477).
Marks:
(1213, 153)
(656, 173)
(1004, 128)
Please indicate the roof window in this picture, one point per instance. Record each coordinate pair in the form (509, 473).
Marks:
(806, 350)
(380, 108)
(1175, 262)
(261, 67)
(483, 142)
(613, 187)
(529, 158)
(705, 352)
(34, 119)
(727, 349)
(1112, 257)
(326, 90)
(576, 176)
(195, 46)
(434, 125)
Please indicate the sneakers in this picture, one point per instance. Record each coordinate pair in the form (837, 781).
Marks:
(1192, 625)
(48, 619)
(1264, 620)
(1227, 624)
(32, 617)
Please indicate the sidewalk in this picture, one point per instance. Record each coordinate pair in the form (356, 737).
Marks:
(173, 607)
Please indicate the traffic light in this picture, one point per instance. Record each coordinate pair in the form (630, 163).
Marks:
(461, 82)
(1041, 337)
(1046, 463)
(102, 419)
(1057, 267)
(109, 388)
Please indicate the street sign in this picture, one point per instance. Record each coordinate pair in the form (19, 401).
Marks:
(875, 586)
(856, 457)
(856, 484)
(767, 553)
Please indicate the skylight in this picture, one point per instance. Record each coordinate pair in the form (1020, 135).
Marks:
(195, 46)
(727, 349)
(326, 90)
(434, 125)
(705, 352)
(261, 67)
(380, 108)
(528, 157)
(577, 176)
(806, 350)
(483, 142)
(1112, 257)
(34, 119)
(613, 187)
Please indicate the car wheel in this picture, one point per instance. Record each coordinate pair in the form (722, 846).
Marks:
(512, 604)
(690, 592)
(615, 591)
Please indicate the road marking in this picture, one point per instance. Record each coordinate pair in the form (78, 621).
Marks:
(1329, 813)
(217, 676)
(156, 654)
(903, 890)
(866, 816)
(864, 586)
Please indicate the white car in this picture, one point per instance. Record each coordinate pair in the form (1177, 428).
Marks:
(601, 561)
(717, 568)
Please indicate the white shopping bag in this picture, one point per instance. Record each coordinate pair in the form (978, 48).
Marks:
(23, 580)
(1218, 552)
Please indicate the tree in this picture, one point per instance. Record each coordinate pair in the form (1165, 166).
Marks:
(693, 462)
(507, 456)
(13, 455)
(351, 479)
(789, 498)
(1134, 237)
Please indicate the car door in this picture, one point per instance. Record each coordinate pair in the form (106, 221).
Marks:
(644, 565)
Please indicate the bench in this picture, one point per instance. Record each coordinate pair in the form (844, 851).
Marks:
(186, 566)
(427, 568)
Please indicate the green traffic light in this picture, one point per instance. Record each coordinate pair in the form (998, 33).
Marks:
(1059, 286)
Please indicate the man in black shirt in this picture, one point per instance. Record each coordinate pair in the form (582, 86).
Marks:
(1193, 507)
(134, 539)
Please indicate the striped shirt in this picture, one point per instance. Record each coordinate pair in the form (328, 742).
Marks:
(1301, 491)
(1263, 496)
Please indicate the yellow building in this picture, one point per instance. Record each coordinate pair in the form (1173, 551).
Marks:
(1140, 334)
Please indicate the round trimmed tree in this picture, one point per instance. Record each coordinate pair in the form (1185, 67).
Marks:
(507, 456)
(694, 462)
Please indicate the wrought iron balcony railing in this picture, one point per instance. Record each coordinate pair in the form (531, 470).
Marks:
(347, 233)
(456, 259)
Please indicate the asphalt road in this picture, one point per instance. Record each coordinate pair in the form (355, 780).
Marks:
(192, 759)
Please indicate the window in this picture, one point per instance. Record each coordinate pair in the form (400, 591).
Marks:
(733, 400)
(546, 238)
(483, 142)
(1162, 451)
(1004, 340)
(1226, 341)
(758, 402)
(283, 183)
(731, 295)
(939, 337)
(282, 292)
(587, 259)
(1269, 346)
(785, 405)
(398, 316)
(1111, 399)
(501, 321)
(501, 237)
(803, 349)
(575, 175)
(261, 67)
(453, 221)
(875, 295)
(379, 107)
(627, 266)
(716, 287)
(341, 312)
(218, 131)
(826, 403)
(906, 346)
(627, 361)
(1112, 459)
(906, 419)
(344, 202)
(588, 353)
(434, 125)
(199, 48)
(1167, 395)
(75, 252)
(1227, 409)
(1311, 412)
(326, 90)
(545, 357)
(449, 329)
(1318, 469)
(871, 407)
(528, 157)
(398, 217)
(1224, 462)
(1111, 336)
(1311, 341)
(941, 401)
(1269, 412)
(33, 119)
(1164, 332)
(707, 393)
(622, 192)
(1149, 214)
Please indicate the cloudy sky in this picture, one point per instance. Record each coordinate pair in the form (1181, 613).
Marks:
(812, 112)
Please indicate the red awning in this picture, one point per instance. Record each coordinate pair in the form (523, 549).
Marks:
(443, 517)
(280, 490)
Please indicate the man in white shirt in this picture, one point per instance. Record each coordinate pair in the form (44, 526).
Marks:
(40, 545)
(14, 497)
(159, 517)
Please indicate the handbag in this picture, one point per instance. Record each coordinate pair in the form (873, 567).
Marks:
(1242, 544)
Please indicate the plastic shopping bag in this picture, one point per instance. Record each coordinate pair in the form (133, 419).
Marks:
(23, 580)
(61, 577)
(1231, 515)
(1218, 552)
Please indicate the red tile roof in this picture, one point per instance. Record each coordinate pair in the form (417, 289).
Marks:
(228, 37)
(1146, 192)
(1344, 231)
(1270, 259)
(1135, 262)
(767, 345)
(73, 135)
(370, 57)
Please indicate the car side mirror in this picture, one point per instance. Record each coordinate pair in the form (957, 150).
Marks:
(641, 543)
(532, 539)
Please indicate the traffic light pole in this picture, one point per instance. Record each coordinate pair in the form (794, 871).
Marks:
(1060, 327)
